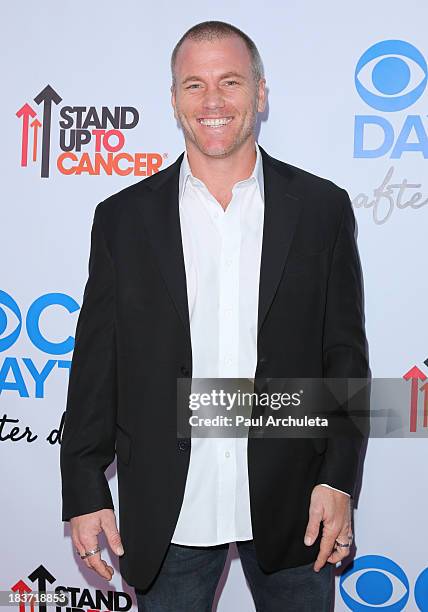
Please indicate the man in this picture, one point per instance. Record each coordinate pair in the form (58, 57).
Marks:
(228, 263)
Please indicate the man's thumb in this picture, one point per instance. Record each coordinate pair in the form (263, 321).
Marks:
(113, 538)
(310, 535)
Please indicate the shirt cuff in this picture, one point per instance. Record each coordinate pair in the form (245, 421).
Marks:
(340, 491)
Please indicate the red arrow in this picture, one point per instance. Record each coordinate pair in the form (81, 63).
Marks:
(424, 388)
(25, 112)
(35, 124)
(21, 587)
(32, 600)
(414, 373)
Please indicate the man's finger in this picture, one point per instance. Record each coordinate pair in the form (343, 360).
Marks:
(313, 527)
(100, 566)
(326, 547)
(341, 552)
(109, 526)
(80, 549)
(94, 561)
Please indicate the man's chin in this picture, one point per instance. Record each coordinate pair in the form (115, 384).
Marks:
(217, 150)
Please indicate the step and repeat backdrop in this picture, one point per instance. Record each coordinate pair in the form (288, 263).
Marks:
(86, 112)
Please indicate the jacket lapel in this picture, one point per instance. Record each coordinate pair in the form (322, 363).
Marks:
(281, 214)
(159, 208)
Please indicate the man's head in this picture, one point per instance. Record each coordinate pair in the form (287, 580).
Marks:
(217, 73)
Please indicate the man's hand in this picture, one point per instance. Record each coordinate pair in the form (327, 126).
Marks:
(334, 509)
(84, 531)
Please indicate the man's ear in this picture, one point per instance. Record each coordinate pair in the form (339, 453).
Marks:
(173, 102)
(261, 95)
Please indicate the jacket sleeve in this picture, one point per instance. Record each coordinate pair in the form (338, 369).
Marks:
(88, 437)
(345, 351)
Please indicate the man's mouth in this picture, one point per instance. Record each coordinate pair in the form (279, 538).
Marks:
(217, 122)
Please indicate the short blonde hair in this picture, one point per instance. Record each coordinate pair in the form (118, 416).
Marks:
(209, 30)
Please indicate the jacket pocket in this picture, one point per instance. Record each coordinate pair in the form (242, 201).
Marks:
(123, 446)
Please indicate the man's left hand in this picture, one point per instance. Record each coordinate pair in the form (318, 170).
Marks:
(334, 510)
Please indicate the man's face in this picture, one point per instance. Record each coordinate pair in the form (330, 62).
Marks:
(214, 81)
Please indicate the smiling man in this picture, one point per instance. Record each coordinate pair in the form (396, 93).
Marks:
(227, 264)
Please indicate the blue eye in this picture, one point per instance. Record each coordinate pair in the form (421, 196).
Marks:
(374, 583)
(391, 75)
(7, 302)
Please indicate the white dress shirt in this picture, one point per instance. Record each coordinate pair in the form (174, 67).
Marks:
(222, 254)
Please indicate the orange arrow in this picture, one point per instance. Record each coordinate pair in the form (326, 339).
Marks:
(35, 124)
(424, 388)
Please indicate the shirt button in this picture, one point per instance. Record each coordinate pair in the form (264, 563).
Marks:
(227, 311)
(227, 454)
(228, 360)
(228, 262)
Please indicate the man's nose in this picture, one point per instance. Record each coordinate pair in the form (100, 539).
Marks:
(213, 98)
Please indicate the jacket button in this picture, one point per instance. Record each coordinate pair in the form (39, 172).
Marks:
(184, 371)
(262, 360)
(183, 445)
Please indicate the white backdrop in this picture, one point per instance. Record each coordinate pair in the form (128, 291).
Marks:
(110, 54)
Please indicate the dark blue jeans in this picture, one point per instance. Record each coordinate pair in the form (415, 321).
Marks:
(189, 576)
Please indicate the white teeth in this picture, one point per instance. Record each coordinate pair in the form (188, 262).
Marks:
(216, 122)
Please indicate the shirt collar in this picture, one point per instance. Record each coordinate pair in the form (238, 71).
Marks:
(185, 172)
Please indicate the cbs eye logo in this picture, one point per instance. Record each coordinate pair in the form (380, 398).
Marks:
(391, 75)
(10, 331)
(10, 338)
(374, 582)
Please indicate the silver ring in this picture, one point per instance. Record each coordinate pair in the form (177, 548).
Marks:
(344, 545)
(89, 553)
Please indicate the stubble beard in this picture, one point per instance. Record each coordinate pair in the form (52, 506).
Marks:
(246, 131)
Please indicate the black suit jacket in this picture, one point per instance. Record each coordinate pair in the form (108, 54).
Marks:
(133, 342)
